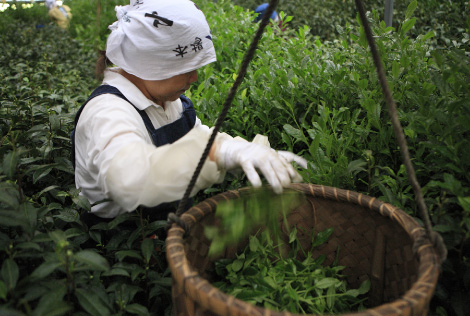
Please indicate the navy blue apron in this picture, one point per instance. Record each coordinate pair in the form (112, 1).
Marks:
(164, 135)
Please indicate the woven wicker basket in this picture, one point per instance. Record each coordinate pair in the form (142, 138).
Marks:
(375, 240)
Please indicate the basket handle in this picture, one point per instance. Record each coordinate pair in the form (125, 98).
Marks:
(433, 236)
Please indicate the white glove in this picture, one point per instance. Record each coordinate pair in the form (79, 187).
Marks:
(274, 165)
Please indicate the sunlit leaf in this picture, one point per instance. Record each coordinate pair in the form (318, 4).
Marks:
(411, 8)
(326, 283)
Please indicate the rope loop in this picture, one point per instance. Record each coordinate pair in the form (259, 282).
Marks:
(437, 243)
(175, 219)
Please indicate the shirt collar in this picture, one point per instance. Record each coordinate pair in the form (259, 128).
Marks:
(127, 88)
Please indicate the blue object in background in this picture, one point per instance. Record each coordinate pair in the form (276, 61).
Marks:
(261, 9)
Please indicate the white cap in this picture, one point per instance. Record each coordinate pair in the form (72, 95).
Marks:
(159, 39)
(50, 4)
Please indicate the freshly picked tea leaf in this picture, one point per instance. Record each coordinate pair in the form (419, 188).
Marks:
(259, 274)
(254, 208)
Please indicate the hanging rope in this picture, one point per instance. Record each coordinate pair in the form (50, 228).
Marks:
(175, 217)
(433, 236)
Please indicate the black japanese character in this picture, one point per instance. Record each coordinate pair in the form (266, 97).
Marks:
(126, 18)
(158, 19)
(180, 50)
(197, 45)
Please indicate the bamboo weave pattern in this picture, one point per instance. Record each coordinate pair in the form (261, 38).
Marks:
(375, 242)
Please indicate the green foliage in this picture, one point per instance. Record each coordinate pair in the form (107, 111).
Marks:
(51, 262)
(91, 20)
(319, 98)
(263, 276)
(323, 101)
(446, 18)
(36, 16)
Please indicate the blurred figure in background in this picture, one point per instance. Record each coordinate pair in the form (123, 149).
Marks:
(260, 11)
(61, 14)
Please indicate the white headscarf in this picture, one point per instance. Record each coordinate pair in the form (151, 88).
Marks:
(50, 4)
(159, 39)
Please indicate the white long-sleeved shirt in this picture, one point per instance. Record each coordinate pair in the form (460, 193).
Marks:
(116, 159)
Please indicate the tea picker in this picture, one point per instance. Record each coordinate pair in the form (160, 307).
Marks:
(261, 10)
(378, 241)
(137, 139)
(61, 14)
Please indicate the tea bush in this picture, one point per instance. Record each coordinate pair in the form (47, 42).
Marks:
(446, 18)
(91, 20)
(318, 97)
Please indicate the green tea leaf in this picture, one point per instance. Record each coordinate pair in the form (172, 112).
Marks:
(294, 132)
(41, 173)
(327, 282)
(30, 214)
(137, 309)
(157, 225)
(395, 69)
(411, 9)
(58, 236)
(407, 25)
(9, 195)
(428, 35)
(82, 202)
(29, 245)
(11, 218)
(92, 259)
(253, 208)
(330, 297)
(356, 166)
(147, 248)
(237, 265)
(10, 273)
(322, 237)
(254, 244)
(68, 216)
(74, 232)
(116, 271)
(164, 282)
(364, 287)
(51, 302)
(45, 269)
(52, 308)
(91, 303)
(293, 235)
(464, 202)
(3, 290)
(120, 255)
(10, 161)
(119, 219)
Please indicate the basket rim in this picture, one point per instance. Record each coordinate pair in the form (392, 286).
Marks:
(191, 282)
